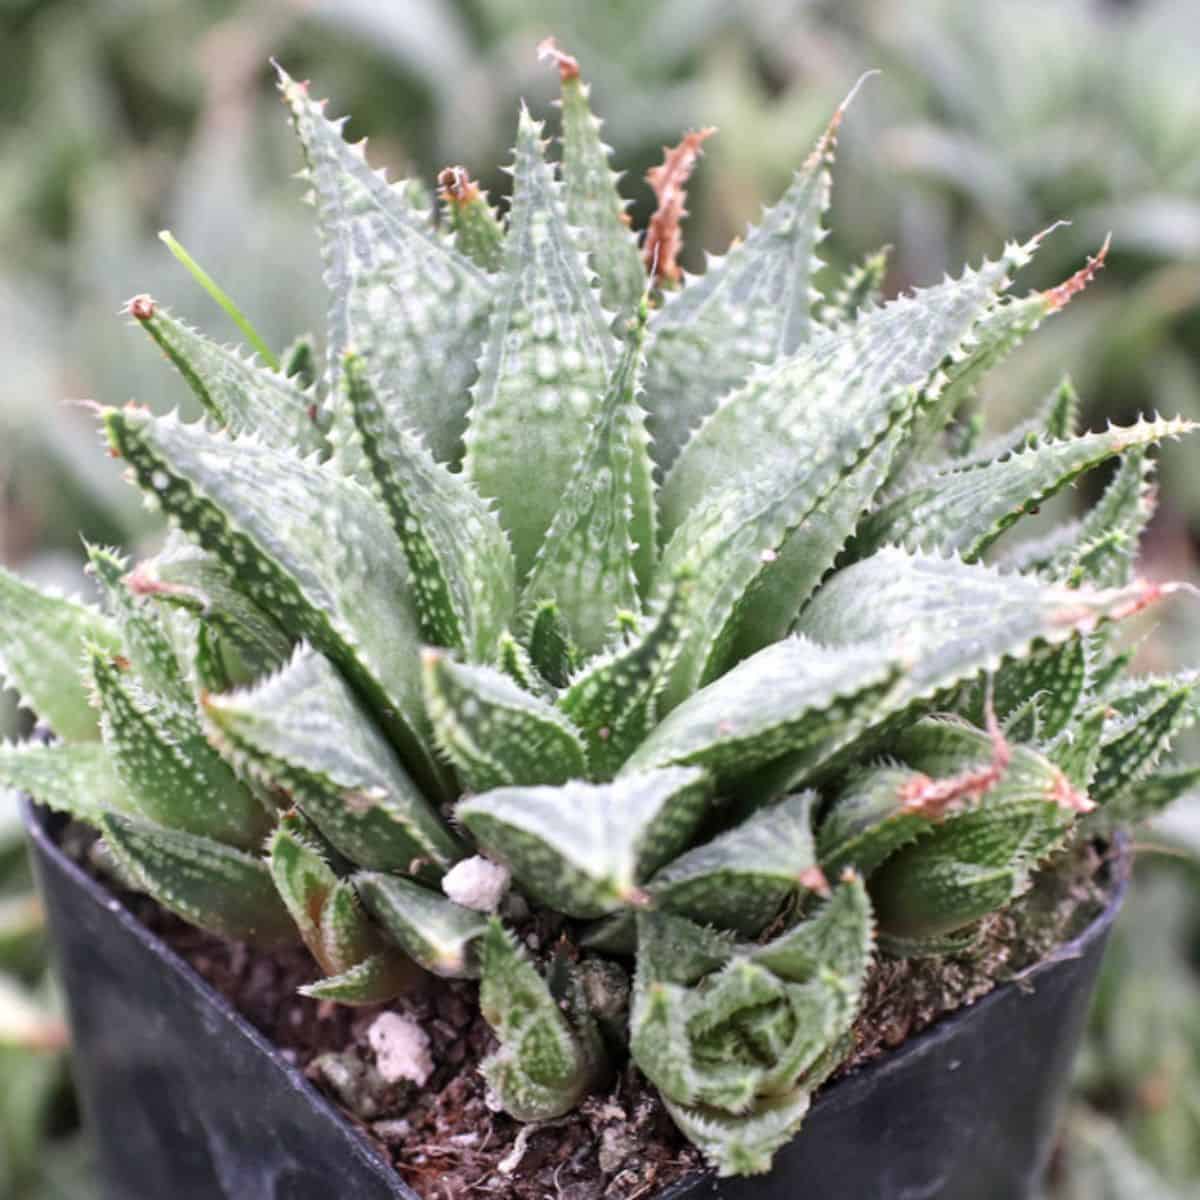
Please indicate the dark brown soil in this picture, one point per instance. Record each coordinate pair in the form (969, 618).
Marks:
(447, 1142)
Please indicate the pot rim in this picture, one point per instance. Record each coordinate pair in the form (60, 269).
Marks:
(838, 1095)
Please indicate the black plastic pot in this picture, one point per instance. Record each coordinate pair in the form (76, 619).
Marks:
(186, 1101)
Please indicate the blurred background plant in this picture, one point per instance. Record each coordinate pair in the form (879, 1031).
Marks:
(123, 117)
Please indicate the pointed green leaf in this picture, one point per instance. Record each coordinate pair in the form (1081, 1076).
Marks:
(599, 550)
(999, 331)
(299, 362)
(1146, 798)
(1148, 715)
(239, 394)
(776, 449)
(347, 935)
(742, 878)
(1102, 549)
(431, 930)
(583, 848)
(42, 639)
(243, 640)
(374, 980)
(1060, 414)
(869, 820)
(172, 774)
(541, 1069)
(73, 778)
(1076, 750)
(550, 648)
(545, 364)
(410, 304)
(317, 551)
(964, 509)
(304, 731)
(753, 306)
(143, 637)
(794, 698)
(788, 580)
(837, 938)
(613, 701)
(304, 881)
(953, 620)
(594, 205)
(494, 733)
(860, 290)
(222, 890)
(457, 553)
(743, 1144)
(478, 233)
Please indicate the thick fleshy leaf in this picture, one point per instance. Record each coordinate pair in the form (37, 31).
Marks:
(964, 509)
(1035, 697)
(431, 930)
(315, 550)
(860, 290)
(750, 307)
(1101, 549)
(304, 881)
(173, 776)
(550, 647)
(478, 232)
(736, 1052)
(374, 980)
(42, 640)
(495, 733)
(458, 556)
(244, 639)
(143, 637)
(545, 363)
(1146, 798)
(583, 849)
(222, 890)
(794, 699)
(76, 778)
(594, 205)
(742, 878)
(303, 731)
(598, 553)
(837, 937)
(402, 297)
(239, 394)
(542, 1068)
(999, 331)
(778, 448)
(1005, 814)
(613, 701)
(1147, 717)
(952, 620)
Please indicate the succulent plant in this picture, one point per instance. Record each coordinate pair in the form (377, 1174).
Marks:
(659, 599)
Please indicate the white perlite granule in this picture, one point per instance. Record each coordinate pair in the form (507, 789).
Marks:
(476, 883)
(401, 1048)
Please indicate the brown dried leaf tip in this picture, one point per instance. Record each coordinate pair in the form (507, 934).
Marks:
(1061, 296)
(457, 187)
(141, 308)
(934, 798)
(664, 236)
(568, 65)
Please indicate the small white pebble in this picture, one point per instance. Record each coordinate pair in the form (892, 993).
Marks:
(476, 883)
(401, 1048)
